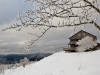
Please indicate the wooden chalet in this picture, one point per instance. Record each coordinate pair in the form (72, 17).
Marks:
(78, 36)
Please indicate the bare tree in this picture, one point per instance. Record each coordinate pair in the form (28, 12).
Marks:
(69, 13)
(2, 68)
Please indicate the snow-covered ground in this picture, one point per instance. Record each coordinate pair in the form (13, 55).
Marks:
(61, 63)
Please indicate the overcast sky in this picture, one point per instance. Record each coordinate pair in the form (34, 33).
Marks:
(13, 42)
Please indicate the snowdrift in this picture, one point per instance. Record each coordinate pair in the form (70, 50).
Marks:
(62, 63)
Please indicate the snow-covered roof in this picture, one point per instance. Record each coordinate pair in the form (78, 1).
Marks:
(81, 31)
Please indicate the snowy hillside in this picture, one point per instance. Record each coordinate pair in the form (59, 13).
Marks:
(61, 63)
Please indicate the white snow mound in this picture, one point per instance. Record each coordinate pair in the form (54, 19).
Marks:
(62, 63)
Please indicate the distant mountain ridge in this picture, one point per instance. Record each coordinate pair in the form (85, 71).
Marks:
(14, 58)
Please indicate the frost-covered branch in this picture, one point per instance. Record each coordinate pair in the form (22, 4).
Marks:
(65, 13)
(86, 43)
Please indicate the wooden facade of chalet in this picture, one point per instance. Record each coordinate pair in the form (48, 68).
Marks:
(98, 46)
(78, 36)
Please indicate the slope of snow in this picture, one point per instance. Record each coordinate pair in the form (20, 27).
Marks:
(61, 63)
